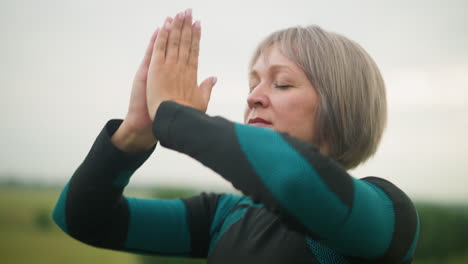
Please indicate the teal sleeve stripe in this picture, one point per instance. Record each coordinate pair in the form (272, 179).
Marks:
(324, 254)
(293, 182)
(369, 228)
(157, 225)
(222, 219)
(228, 222)
(59, 211)
(225, 204)
(412, 249)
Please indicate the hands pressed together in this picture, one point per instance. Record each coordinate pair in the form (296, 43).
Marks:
(168, 72)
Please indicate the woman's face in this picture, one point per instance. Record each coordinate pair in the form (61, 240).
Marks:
(281, 97)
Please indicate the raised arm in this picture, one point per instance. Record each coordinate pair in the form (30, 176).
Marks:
(367, 219)
(313, 194)
(92, 209)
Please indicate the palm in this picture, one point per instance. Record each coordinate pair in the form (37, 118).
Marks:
(138, 118)
(174, 66)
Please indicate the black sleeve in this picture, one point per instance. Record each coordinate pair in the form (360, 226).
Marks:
(310, 192)
(92, 208)
(96, 212)
(200, 212)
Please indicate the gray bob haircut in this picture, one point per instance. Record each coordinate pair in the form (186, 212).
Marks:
(352, 110)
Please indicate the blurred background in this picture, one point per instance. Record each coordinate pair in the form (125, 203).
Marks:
(67, 67)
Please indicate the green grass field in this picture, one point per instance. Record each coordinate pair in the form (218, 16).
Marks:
(28, 235)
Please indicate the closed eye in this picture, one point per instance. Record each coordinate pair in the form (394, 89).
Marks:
(283, 86)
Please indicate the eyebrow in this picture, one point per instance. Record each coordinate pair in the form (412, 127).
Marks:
(272, 69)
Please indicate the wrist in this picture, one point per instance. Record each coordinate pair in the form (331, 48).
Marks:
(128, 140)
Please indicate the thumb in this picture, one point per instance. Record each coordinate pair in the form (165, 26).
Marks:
(206, 86)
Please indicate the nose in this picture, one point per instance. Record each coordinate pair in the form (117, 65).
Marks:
(258, 97)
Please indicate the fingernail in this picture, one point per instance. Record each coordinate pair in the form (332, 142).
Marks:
(167, 25)
(181, 15)
(214, 80)
(188, 12)
(197, 24)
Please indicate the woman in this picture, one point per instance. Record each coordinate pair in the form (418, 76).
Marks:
(316, 108)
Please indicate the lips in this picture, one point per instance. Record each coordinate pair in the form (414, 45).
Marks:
(259, 122)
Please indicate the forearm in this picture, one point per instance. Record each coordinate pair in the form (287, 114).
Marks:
(312, 193)
(92, 202)
(261, 164)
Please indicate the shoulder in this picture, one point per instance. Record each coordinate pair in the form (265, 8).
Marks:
(406, 218)
(396, 195)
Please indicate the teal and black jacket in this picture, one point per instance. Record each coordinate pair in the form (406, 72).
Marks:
(298, 206)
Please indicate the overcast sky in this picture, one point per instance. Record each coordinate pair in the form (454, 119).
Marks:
(66, 67)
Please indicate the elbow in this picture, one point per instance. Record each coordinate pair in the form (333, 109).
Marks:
(82, 234)
(62, 218)
(82, 223)
(59, 215)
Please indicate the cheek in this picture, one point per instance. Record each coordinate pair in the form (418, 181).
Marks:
(297, 107)
(308, 115)
(298, 116)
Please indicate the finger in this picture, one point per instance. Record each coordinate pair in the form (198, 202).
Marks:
(159, 49)
(173, 43)
(186, 38)
(206, 87)
(195, 45)
(149, 50)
